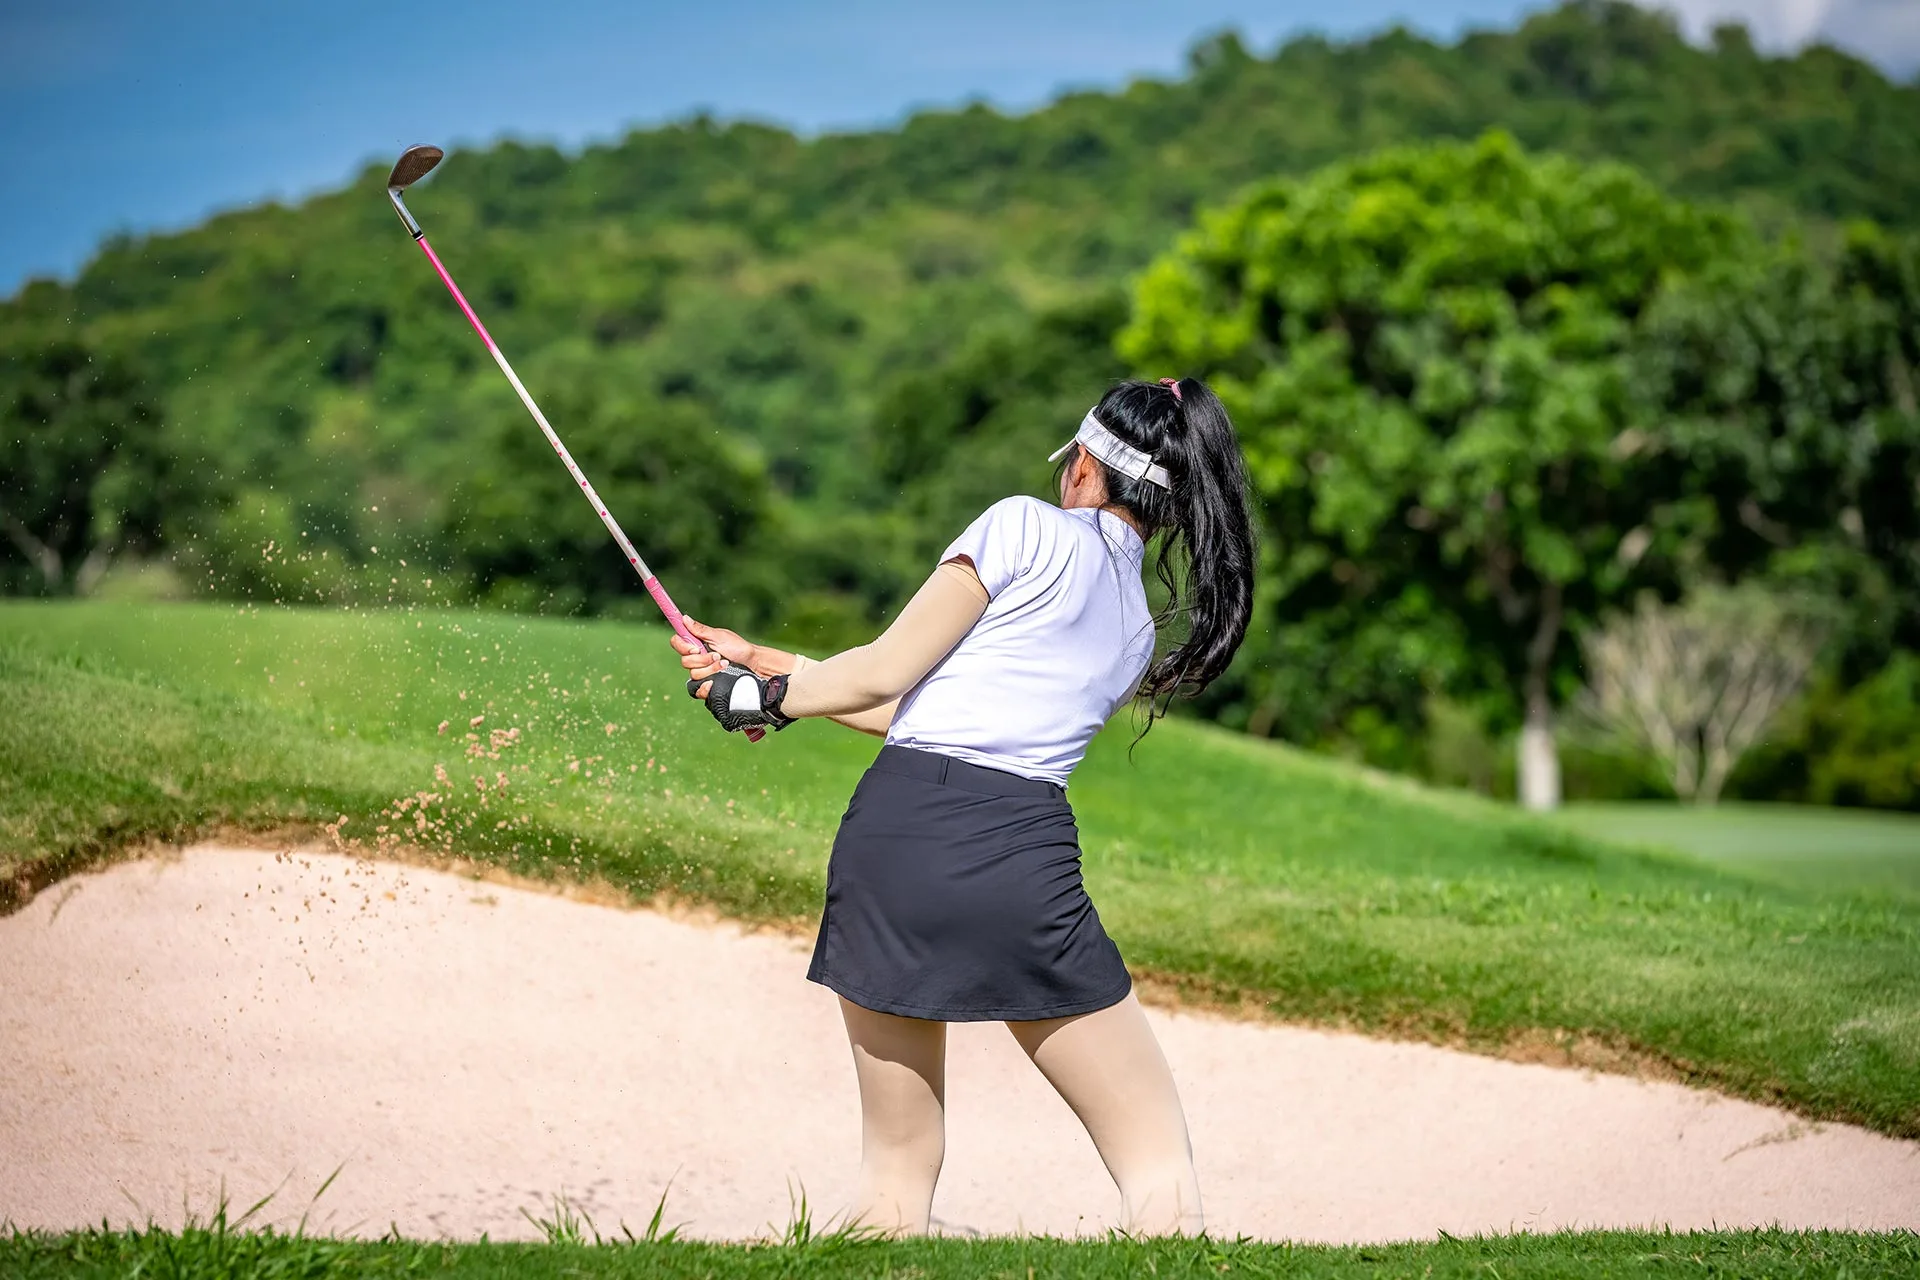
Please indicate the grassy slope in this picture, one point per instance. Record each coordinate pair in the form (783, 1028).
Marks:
(1801, 845)
(1234, 867)
(205, 1253)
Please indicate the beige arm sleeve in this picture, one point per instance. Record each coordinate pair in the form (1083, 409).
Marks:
(875, 720)
(873, 675)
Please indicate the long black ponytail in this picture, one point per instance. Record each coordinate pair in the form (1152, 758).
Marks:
(1207, 548)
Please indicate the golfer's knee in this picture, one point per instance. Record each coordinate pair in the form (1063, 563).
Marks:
(905, 1147)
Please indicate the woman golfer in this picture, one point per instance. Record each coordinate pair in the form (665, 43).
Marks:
(954, 890)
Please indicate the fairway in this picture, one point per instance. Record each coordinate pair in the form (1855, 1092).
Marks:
(1231, 870)
(1824, 849)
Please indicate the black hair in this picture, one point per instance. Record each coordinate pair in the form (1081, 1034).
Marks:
(1206, 535)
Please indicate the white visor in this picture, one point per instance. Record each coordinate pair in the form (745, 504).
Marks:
(1094, 437)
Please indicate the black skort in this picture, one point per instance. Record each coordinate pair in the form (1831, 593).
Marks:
(954, 894)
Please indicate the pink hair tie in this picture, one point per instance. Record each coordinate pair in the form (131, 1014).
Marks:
(1173, 385)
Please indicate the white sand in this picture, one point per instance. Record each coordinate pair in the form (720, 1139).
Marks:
(464, 1051)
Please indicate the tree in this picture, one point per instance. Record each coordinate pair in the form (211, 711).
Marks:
(946, 441)
(1778, 393)
(1879, 279)
(1866, 744)
(1695, 685)
(1428, 355)
(78, 462)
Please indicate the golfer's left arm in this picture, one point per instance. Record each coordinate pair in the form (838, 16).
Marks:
(764, 660)
(869, 677)
(874, 720)
(861, 687)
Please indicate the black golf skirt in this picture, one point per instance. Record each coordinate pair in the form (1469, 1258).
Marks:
(954, 894)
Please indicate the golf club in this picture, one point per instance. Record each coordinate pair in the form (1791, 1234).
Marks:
(416, 163)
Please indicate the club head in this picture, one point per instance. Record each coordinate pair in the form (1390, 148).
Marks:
(414, 164)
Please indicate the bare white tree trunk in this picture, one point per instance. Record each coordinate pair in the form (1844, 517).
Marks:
(1539, 763)
(1539, 758)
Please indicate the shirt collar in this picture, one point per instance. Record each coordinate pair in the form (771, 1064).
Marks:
(1114, 527)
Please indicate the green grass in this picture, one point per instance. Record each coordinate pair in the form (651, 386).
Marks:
(1801, 845)
(217, 1253)
(229, 1247)
(1233, 868)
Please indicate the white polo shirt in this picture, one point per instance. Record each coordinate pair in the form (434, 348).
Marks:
(1066, 637)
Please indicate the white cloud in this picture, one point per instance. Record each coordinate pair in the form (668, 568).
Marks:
(1774, 23)
(1886, 32)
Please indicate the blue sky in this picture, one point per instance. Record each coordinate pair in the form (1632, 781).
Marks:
(120, 115)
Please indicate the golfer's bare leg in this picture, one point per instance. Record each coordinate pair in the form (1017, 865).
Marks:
(1109, 1068)
(902, 1066)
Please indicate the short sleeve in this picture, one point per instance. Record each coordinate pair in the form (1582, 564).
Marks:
(1004, 543)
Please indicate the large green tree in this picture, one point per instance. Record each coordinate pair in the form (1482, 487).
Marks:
(1429, 353)
(1779, 392)
(79, 465)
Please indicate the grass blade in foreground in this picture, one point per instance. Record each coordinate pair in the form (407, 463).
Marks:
(1758, 1255)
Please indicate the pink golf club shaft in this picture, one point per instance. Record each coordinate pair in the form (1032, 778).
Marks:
(651, 583)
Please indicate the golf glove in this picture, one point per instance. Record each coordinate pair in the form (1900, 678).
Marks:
(740, 699)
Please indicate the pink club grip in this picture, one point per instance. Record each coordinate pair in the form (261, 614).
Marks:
(672, 611)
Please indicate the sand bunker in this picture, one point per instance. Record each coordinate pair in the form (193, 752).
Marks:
(463, 1052)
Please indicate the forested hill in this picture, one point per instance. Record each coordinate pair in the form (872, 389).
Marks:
(1820, 133)
(776, 323)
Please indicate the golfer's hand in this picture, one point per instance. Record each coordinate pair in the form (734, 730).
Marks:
(739, 699)
(723, 647)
